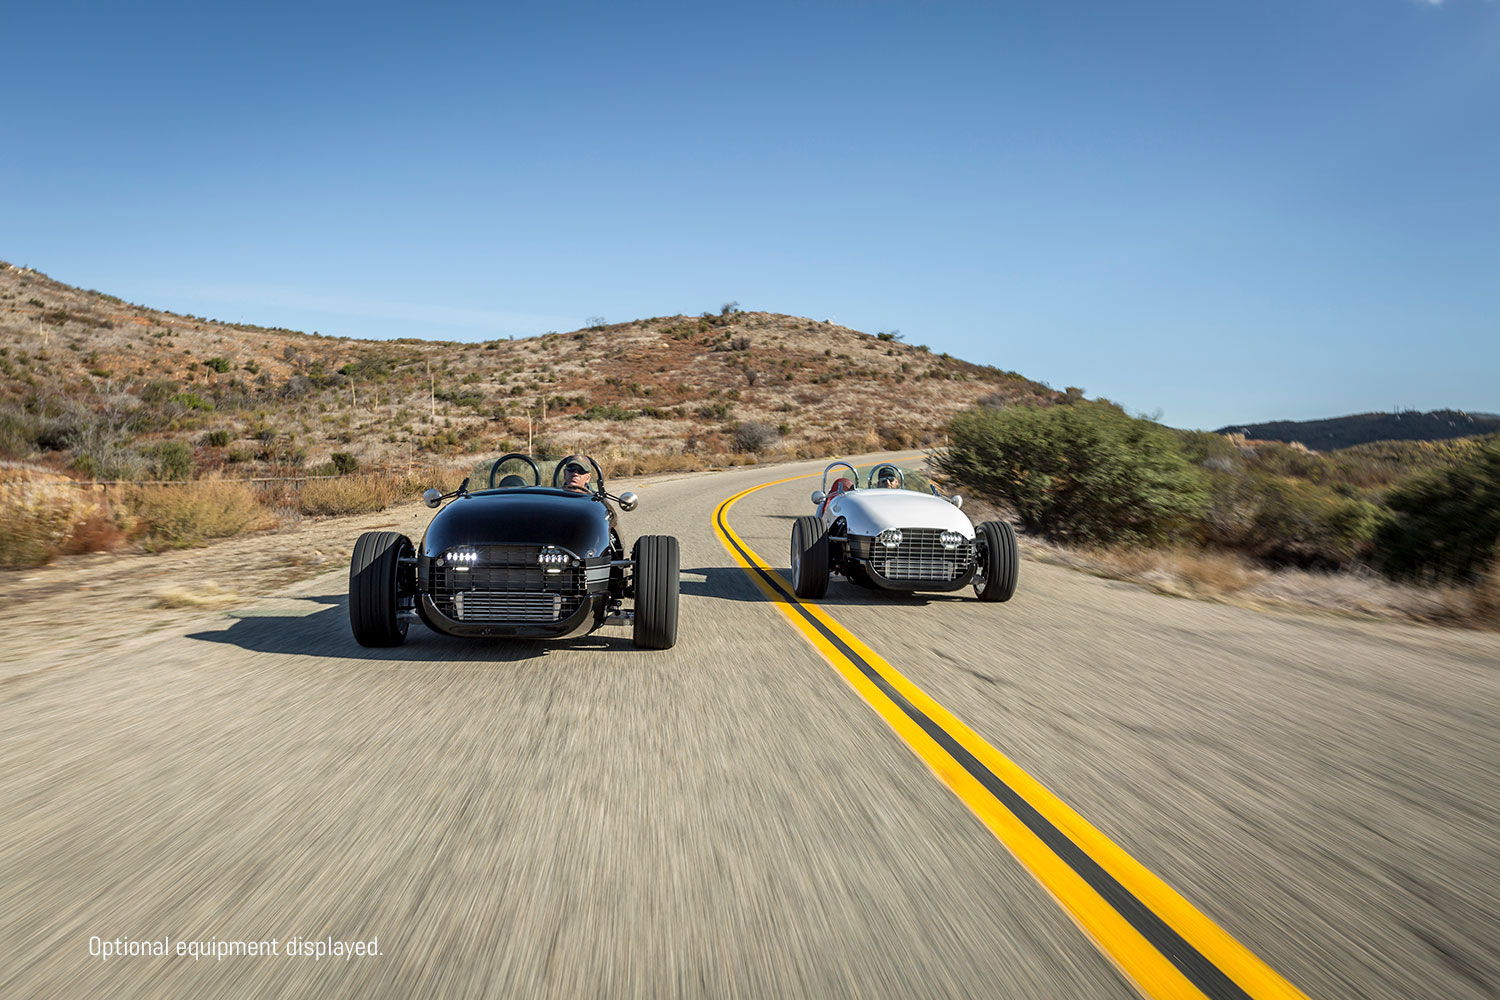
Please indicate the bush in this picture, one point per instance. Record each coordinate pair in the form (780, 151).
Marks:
(171, 460)
(754, 436)
(191, 513)
(1085, 473)
(36, 521)
(344, 463)
(192, 401)
(220, 365)
(1446, 523)
(349, 495)
(1287, 521)
(214, 439)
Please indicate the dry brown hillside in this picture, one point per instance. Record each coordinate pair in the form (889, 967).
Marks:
(107, 389)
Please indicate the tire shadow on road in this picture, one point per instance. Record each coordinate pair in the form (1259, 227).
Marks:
(731, 583)
(325, 633)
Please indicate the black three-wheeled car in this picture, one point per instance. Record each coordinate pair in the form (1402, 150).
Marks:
(518, 559)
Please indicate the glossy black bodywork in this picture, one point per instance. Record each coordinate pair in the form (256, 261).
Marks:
(507, 527)
(536, 515)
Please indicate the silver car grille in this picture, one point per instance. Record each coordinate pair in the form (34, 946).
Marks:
(512, 606)
(921, 556)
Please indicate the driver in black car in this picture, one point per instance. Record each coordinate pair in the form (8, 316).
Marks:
(576, 480)
(576, 477)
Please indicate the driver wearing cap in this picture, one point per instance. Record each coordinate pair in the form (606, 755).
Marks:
(576, 480)
(885, 477)
(576, 477)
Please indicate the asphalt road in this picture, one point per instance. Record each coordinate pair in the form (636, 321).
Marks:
(729, 817)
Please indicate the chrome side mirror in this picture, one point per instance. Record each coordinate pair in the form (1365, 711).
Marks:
(629, 501)
(956, 500)
(432, 497)
(818, 496)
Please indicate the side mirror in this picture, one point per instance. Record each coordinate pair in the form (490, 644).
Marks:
(432, 497)
(818, 496)
(957, 500)
(629, 501)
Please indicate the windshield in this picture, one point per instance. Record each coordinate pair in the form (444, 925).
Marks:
(887, 476)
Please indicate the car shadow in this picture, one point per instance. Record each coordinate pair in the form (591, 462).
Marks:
(321, 628)
(731, 583)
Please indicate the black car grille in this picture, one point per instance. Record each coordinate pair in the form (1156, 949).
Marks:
(504, 584)
(920, 556)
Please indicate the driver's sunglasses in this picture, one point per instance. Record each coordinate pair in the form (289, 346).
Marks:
(575, 470)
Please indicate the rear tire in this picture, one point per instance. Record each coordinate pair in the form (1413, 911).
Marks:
(809, 557)
(1000, 561)
(375, 592)
(656, 589)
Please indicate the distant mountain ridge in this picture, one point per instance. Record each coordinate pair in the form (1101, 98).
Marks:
(1334, 433)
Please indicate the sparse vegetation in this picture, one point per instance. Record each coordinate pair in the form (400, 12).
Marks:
(349, 495)
(188, 514)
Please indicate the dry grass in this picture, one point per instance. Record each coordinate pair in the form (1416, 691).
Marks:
(1217, 576)
(37, 519)
(350, 495)
(1180, 571)
(209, 596)
(190, 514)
(100, 530)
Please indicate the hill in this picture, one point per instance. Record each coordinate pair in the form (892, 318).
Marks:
(107, 389)
(1365, 428)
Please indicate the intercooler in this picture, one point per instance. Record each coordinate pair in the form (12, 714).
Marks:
(512, 606)
(921, 556)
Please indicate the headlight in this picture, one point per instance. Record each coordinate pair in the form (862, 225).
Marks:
(951, 539)
(554, 560)
(460, 559)
(890, 537)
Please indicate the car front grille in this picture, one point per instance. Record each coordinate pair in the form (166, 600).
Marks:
(513, 606)
(921, 556)
(504, 584)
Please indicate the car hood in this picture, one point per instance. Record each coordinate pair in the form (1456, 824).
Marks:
(868, 512)
(521, 517)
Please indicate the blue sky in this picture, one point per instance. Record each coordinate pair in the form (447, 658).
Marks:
(1224, 212)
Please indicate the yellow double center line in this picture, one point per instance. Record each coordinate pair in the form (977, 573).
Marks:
(1159, 940)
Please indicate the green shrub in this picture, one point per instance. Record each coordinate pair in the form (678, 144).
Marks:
(170, 460)
(214, 439)
(1085, 473)
(192, 401)
(220, 365)
(344, 463)
(1288, 521)
(1445, 523)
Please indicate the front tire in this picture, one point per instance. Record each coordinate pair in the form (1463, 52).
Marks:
(656, 590)
(999, 562)
(809, 557)
(375, 592)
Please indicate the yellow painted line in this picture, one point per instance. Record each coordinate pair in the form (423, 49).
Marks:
(1129, 930)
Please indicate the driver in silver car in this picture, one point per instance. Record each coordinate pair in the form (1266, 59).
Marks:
(886, 477)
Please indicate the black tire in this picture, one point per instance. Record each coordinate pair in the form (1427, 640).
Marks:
(375, 591)
(999, 561)
(809, 557)
(656, 573)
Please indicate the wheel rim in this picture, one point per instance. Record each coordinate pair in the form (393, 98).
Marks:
(982, 558)
(796, 564)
